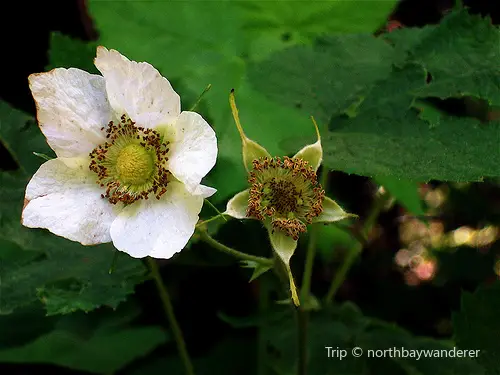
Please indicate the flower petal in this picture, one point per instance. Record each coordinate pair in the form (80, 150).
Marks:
(193, 149)
(72, 107)
(312, 153)
(158, 228)
(137, 89)
(64, 198)
(331, 212)
(204, 191)
(237, 205)
(285, 246)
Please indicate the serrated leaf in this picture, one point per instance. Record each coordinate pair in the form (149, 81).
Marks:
(461, 54)
(474, 323)
(389, 138)
(375, 126)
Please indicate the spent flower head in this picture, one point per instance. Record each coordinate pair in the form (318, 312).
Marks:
(129, 162)
(284, 194)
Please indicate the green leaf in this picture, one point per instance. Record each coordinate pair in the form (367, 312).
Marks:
(66, 52)
(275, 25)
(100, 344)
(405, 192)
(389, 138)
(64, 275)
(21, 136)
(370, 92)
(461, 54)
(326, 78)
(474, 323)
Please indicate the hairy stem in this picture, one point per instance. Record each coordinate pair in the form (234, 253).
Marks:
(205, 237)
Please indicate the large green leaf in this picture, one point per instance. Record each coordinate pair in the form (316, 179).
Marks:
(387, 137)
(325, 78)
(197, 43)
(371, 95)
(101, 342)
(476, 323)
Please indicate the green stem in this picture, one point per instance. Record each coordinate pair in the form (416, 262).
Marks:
(193, 107)
(169, 312)
(199, 224)
(235, 253)
(216, 210)
(354, 252)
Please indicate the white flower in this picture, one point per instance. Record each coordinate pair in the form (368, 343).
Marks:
(129, 162)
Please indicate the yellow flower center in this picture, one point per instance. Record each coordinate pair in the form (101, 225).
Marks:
(134, 165)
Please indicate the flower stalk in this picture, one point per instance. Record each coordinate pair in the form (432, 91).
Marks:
(205, 237)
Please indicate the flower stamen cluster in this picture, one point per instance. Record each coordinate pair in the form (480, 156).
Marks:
(131, 165)
(287, 192)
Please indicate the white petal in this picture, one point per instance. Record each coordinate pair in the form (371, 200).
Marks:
(193, 149)
(137, 89)
(158, 228)
(64, 198)
(204, 191)
(331, 212)
(237, 205)
(72, 107)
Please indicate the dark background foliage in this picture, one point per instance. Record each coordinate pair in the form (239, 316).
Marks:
(202, 292)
